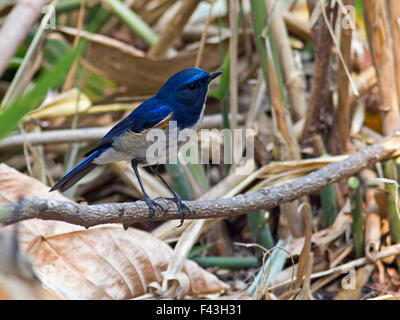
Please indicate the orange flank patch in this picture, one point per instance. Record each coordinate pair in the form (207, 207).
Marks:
(131, 138)
(164, 123)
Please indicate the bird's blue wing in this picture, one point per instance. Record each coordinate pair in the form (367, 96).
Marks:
(148, 115)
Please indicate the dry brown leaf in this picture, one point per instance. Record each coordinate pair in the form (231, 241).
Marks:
(15, 186)
(131, 68)
(103, 262)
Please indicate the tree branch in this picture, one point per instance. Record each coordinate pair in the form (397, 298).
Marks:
(129, 213)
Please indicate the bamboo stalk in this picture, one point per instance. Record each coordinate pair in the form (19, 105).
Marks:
(260, 229)
(233, 73)
(329, 208)
(343, 110)
(382, 56)
(373, 221)
(394, 11)
(357, 213)
(392, 197)
(259, 21)
(319, 94)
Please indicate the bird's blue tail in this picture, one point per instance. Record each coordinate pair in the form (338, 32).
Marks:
(77, 173)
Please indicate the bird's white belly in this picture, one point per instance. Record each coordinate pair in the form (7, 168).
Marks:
(148, 148)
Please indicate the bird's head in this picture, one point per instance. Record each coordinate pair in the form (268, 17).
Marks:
(188, 87)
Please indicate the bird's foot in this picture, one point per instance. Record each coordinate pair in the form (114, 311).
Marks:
(182, 208)
(151, 204)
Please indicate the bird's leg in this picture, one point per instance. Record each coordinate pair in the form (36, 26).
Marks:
(177, 198)
(150, 203)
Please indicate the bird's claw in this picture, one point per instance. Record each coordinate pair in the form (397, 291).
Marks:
(151, 204)
(182, 208)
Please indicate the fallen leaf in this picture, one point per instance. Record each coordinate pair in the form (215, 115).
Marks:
(103, 262)
(106, 262)
(15, 186)
(131, 68)
(63, 105)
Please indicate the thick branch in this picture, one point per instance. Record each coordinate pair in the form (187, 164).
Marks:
(129, 213)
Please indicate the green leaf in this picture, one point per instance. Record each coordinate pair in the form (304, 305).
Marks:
(199, 249)
(11, 116)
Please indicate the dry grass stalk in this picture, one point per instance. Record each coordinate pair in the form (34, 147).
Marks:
(280, 114)
(174, 29)
(69, 81)
(289, 221)
(203, 38)
(305, 293)
(304, 259)
(294, 77)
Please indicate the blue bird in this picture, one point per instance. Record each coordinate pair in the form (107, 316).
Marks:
(181, 99)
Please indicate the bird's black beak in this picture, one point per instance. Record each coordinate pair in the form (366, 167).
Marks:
(214, 75)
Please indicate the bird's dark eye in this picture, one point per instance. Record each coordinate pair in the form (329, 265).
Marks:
(191, 86)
